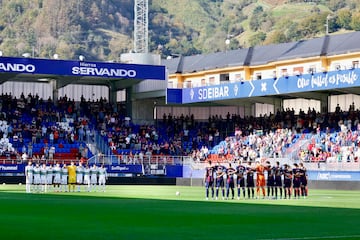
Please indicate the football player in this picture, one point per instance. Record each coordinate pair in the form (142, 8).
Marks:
(240, 172)
(29, 174)
(287, 181)
(79, 176)
(93, 177)
(220, 174)
(296, 180)
(303, 180)
(230, 172)
(87, 177)
(260, 180)
(43, 178)
(64, 178)
(250, 184)
(278, 172)
(209, 180)
(72, 176)
(102, 177)
(57, 177)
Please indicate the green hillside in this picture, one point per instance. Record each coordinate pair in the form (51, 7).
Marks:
(103, 29)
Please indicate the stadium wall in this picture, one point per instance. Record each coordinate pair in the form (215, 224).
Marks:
(336, 180)
(334, 185)
(110, 181)
(141, 181)
(188, 176)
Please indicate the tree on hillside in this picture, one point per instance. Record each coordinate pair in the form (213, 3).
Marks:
(335, 5)
(355, 21)
(256, 18)
(276, 37)
(344, 18)
(257, 39)
(293, 32)
(313, 25)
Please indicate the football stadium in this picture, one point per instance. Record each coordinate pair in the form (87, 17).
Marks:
(254, 143)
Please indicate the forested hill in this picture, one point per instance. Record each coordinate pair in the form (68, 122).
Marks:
(103, 29)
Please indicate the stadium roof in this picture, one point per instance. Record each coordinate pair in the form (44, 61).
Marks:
(324, 46)
(189, 64)
(64, 72)
(344, 43)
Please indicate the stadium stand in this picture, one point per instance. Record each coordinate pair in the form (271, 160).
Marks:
(281, 135)
(37, 129)
(33, 128)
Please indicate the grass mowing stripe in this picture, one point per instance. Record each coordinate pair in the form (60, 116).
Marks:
(155, 212)
(310, 238)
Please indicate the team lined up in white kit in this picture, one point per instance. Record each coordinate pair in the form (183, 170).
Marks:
(57, 178)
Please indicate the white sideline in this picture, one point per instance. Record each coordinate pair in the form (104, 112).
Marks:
(309, 238)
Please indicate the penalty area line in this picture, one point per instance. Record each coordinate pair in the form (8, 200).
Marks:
(309, 238)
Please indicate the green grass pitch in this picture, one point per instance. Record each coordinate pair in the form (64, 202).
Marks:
(155, 212)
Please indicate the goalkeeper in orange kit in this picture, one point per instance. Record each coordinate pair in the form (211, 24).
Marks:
(260, 179)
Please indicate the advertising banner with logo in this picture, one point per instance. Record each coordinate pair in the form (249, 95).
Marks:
(81, 68)
(266, 87)
(334, 175)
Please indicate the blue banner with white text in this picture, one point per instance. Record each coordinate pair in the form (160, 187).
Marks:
(112, 170)
(124, 170)
(12, 169)
(81, 68)
(136, 169)
(334, 175)
(266, 87)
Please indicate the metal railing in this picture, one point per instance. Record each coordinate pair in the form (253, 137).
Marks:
(40, 161)
(136, 159)
(101, 144)
(157, 162)
(298, 146)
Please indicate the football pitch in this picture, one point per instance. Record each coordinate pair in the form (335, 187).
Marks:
(156, 212)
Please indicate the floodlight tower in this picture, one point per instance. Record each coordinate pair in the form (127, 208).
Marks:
(141, 23)
(140, 55)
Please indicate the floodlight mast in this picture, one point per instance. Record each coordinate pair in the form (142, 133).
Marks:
(141, 24)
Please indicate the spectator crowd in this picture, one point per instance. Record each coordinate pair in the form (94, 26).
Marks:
(29, 121)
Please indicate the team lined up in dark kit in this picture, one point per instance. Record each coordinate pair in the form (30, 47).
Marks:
(282, 182)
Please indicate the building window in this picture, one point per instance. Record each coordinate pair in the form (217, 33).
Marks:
(224, 78)
(258, 76)
(312, 69)
(238, 77)
(337, 66)
(211, 80)
(355, 64)
(274, 75)
(298, 70)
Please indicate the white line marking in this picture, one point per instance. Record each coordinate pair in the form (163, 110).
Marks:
(309, 238)
(253, 88)
(274, 85)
